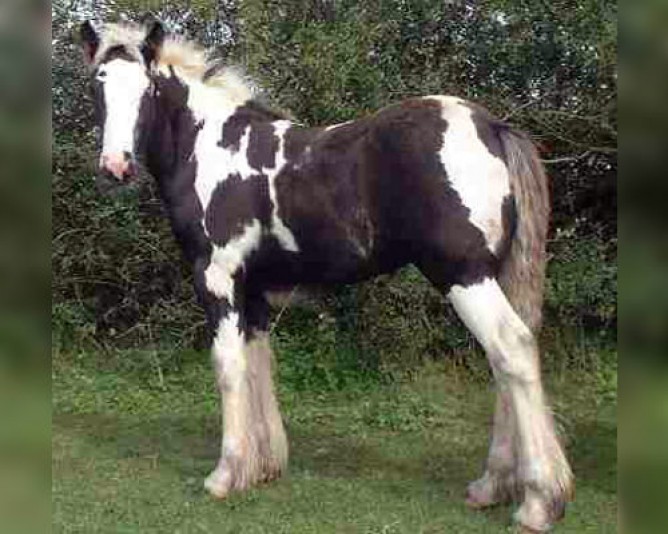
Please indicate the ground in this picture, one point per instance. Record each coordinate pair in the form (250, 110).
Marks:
(130, 454)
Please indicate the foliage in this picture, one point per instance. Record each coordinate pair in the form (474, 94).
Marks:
(581, 286)
(319, 356)
(116, 263)
(404, 412)
(547, 67)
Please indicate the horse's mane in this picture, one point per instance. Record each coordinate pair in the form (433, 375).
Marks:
(190, 59)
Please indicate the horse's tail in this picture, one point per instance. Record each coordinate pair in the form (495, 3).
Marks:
(522, 274)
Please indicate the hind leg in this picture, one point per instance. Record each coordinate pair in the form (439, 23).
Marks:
(497, 485)
(543, 476)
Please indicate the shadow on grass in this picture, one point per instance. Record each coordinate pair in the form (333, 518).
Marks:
(429, 468)
(384, 468)
(593, 456)
(326, 453)
(177, 441)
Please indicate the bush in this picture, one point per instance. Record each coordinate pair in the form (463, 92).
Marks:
(118, 278)
(115, 262)
(581, 286)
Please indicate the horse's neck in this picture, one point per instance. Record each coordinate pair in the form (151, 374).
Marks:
(174, 132)
(171, 143)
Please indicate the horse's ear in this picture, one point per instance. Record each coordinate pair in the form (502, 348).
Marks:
(90, 41)
(153, 41)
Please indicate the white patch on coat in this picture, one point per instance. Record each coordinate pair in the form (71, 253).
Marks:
(226, 260)
(214, 163)
(480, 178)
(217, 96)
(513, 355)
(511, 352)
(207, 102)
(125, 82)
(335, 126)
(229, 354)
(489, 316)
(304, 158)
(278, 227)
(228, 351)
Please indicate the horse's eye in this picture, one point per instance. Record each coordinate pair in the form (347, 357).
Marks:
(102, 74)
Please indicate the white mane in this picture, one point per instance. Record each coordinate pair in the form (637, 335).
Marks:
(188, 59)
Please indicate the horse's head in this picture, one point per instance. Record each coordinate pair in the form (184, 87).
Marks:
(121, 60)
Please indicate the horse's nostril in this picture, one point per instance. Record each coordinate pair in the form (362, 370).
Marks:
(130, 171)
(120, 165)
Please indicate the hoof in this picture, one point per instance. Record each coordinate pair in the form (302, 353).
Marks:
(531, 525)
(219, 483)
(488, 491)
(477, 499)
(537, 514)
(271, 471)
(231, 474)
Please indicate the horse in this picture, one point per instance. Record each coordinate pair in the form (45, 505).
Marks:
(260, 203)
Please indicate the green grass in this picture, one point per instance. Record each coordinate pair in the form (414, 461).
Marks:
(130, 450)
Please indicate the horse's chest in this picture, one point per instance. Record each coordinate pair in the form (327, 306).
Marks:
(217, 165)
(234, 185)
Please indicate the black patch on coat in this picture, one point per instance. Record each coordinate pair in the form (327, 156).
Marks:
(145, 119)
(233, 129)
(509, 222)
(488, 128)
(100, 106)
(89, 39)
(254, 317)
(373, 196)
(118, 52)
(296, 139)
(168, 158)
(153, 41)
(234, 204)
(262, 146)
(250, 114)
(422, 208)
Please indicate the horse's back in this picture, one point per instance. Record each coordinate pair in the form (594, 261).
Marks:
(426, 173)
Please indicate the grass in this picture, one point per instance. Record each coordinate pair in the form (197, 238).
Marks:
(130, 451)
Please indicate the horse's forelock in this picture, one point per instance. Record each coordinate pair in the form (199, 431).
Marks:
(120, 39)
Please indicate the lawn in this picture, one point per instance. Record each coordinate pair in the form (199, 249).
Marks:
(130, 451)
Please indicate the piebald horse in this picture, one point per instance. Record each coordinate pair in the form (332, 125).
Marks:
(259, 203)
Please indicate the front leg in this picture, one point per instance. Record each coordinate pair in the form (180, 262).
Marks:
(254, 446)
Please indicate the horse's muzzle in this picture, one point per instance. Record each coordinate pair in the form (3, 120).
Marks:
(120, 165)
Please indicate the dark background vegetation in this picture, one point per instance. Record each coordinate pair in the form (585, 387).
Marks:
(547, 67)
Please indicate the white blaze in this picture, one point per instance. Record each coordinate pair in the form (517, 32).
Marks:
(125, 82)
